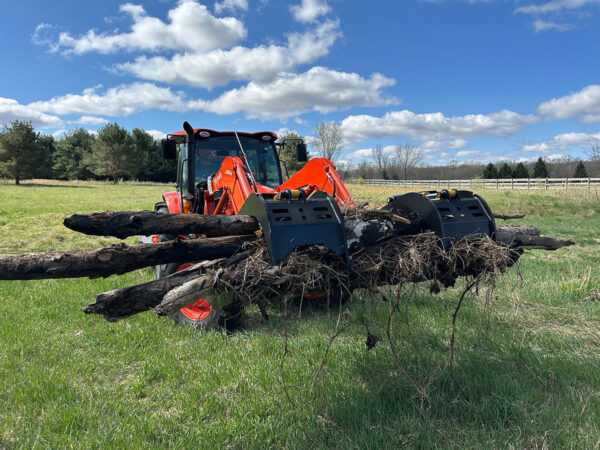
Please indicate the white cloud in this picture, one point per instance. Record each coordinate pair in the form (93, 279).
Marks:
(191, 27)
(156, 134)
(219, 67)
(434, 125)
(541, 25)
(11, 110)
(231, 5)
(363, 153)
(309, 10)
(563, 141)
(458, 143)
(122, 100)
(583, 105)
(59, 133)
(91, 120)
(554, 6)
(467, 153)
(320, 89)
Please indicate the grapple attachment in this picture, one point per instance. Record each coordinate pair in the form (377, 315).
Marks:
(451, 214)
(290, 222)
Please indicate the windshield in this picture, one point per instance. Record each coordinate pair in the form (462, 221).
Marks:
(261, 158)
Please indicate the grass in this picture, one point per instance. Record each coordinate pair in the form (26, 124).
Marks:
(528, 356)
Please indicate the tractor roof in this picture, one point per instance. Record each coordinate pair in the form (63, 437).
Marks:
(214, 133)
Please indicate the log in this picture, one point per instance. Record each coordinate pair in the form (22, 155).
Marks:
(116, 259)
(508, 216)
(528, 238)
(124, 302)
(122, 224)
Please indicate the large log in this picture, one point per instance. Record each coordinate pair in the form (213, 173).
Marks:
(122, 224)
(528, 238)
(116, 259)
(124, 302)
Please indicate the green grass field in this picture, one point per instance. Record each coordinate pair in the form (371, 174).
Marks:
(527, 361)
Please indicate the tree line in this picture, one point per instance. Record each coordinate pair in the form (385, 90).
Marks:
(113, 153)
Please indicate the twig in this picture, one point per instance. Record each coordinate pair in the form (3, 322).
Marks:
(285, 352)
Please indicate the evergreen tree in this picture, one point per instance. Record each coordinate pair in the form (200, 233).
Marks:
(48, 148)
(72, 155)
(580, 171)
(287, 152)
(21, 155)
(113, 153)
(490, 171)
(520, 171)
(540, 170)
(151, 165)
(505, 171)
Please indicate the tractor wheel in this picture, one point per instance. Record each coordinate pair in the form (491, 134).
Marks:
(199, 314)
(336, 297)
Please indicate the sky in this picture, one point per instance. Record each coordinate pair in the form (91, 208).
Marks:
(464, 80)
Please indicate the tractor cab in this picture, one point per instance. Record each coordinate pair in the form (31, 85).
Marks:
(201, 154)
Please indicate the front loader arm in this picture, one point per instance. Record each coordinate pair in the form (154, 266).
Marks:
(232, 178)
(320, 173)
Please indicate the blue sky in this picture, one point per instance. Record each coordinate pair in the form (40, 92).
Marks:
(480, 80)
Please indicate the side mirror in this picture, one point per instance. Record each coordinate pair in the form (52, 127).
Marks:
(169, 149)
(301, 155)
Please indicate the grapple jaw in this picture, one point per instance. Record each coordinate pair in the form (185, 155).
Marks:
(287, 224)
(451, 214)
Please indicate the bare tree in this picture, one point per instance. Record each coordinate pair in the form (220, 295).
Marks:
(328, 140)
(408, 156)
(382, 159)
(594, 153)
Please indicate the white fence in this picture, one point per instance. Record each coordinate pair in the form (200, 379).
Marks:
(478, 183)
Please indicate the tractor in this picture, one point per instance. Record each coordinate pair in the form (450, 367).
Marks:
(229, 172)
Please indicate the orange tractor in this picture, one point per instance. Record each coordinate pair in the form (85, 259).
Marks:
(240, 173)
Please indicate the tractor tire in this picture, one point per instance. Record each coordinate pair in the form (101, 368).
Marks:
(199, 314)
(336, 298)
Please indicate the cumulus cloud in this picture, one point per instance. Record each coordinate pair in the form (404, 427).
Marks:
(434, 125)
(467, 153)
(366, 153)
(219, 67)
(231, 5)
(309, 10)
(11, 110)
(122, 100)
(562, 142)
(91, 120)
(319, 89)
(583, 105)
(191, 26)
(457, 143)
(156, 134)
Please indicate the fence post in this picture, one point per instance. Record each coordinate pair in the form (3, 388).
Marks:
(528, 182)
(546, 184)
(496, 183)
(589, 183)
(512, 180)
(566, 183)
